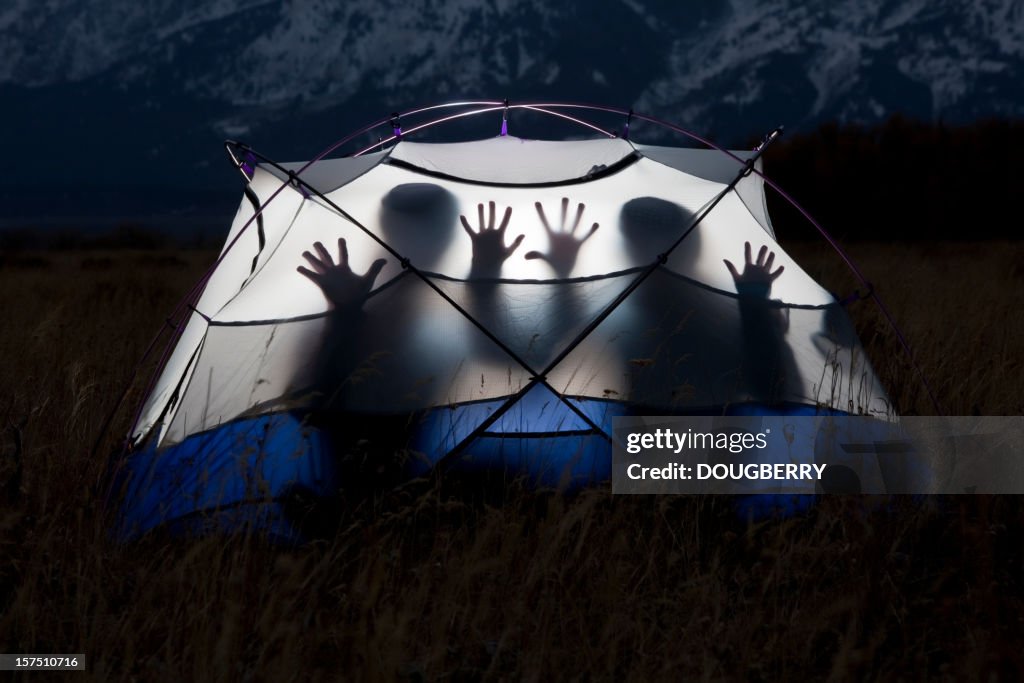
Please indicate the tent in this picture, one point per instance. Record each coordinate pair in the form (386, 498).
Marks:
(487, 305)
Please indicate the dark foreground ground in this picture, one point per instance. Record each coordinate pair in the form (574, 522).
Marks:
(423, 585)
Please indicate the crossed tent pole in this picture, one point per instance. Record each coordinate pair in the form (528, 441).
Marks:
(536, 378)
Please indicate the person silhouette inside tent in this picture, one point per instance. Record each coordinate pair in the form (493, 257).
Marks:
(360, 356)
(670, 356)
(489, 254)
(566, 308)
(768, 368)
(686, 346)
(347, 292)
(348, 438)
(415, 219)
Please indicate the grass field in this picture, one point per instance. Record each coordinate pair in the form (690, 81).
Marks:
(421, 585)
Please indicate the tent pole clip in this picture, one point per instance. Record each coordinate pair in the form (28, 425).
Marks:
(504, 120)
(246, 164)
(625, 128)
(769, 138)
(293, 178)
(748, 167)
(200, 313)
(396, 124)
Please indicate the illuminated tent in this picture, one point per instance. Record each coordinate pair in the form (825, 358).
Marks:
(519, 367)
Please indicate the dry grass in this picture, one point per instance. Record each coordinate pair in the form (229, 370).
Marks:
(959, 306)
(420, 585)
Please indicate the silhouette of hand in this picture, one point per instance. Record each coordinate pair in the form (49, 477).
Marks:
(489, 250)
(757, 277)
(342, 287)
(564, 244)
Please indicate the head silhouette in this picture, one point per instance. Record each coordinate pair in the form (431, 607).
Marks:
(418, 220)
(651, 225)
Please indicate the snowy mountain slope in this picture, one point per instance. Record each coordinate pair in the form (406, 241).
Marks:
(152, 87)
(850, 61)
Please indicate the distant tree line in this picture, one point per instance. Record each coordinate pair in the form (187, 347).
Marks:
(136, 236)
(901, 180)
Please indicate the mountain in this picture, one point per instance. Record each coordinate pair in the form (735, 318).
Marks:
(104, 102)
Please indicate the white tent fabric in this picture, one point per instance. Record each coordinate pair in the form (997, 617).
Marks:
(711, 164)
(514, 161)
(675, 344)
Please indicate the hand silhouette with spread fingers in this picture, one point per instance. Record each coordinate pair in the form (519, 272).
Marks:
(489, 249)
(767, 365)
(757, 277)
(342, 287)
(564, 244)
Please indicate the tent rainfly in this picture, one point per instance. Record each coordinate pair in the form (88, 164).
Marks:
(490, 305)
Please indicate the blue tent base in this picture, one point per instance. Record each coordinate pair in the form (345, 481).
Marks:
(236, 475)
(268, 473)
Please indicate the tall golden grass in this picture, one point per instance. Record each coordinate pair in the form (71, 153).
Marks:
(417, 584)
